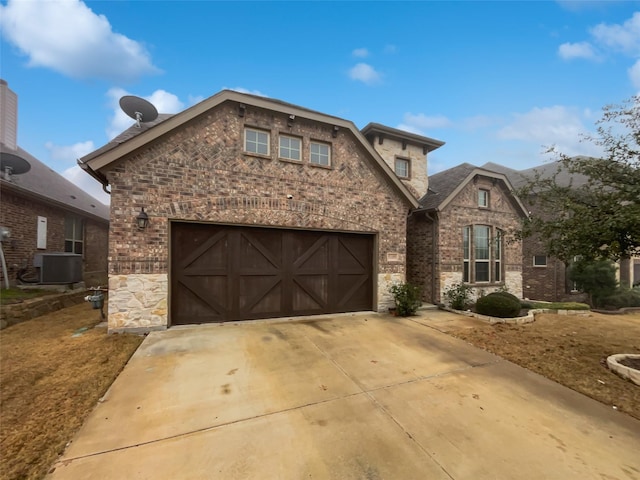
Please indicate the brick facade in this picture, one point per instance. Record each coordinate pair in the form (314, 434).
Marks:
(20, 214)
(199, 172)
(447, 257)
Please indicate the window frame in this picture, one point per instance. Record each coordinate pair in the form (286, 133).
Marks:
(258, 131)
(482, 251)
(311, 153)
(540, 265)
(77, 235)
(407, 161)
(483, 193)
(280, 147)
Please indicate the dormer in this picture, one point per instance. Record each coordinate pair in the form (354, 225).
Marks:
(405, 153)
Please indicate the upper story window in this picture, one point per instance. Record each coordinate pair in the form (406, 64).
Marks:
(73, 235)
(483, 198)
(256, 141)
(320, 154)
(482, 254)
(290, 148)
(539, 260)
(402, 167)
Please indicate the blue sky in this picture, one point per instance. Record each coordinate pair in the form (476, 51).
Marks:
(496, 81)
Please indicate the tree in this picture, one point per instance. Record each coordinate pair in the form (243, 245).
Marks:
(600, 217)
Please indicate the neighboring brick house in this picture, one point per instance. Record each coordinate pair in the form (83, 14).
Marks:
(462, 232)
(257, 208)
(45, 213)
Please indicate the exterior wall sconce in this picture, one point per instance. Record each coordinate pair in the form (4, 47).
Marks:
(290, 120)
(142, 220)
(334, 133)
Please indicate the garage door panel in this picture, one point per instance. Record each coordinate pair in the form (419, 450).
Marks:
(199, 306)
(260, 252)
(228, 273)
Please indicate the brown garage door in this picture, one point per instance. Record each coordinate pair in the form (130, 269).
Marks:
(223, 273)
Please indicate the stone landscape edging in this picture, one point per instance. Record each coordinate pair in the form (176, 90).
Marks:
(625, 372)
(530, 317)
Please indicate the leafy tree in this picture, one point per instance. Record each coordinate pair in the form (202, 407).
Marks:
(599, 217)
(597, 278)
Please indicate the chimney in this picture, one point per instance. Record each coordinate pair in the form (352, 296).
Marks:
(8, 116)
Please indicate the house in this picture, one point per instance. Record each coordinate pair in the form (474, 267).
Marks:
(47, 216)
(256, 208)
(462, 232)
(546, 277)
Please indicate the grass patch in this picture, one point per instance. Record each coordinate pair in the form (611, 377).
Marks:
(16, 295)
(50, 381)
(569, 349)
(557, 305)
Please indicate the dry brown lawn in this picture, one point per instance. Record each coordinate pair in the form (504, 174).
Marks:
(570, 350)
(53, 370)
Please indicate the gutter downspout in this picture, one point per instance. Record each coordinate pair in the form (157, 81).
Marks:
(97, 175)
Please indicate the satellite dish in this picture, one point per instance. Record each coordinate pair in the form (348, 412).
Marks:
(12, 164)
(139, 109)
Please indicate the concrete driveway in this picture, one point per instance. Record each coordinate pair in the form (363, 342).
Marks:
(363, 396)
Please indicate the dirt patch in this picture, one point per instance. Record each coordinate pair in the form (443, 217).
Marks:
(630, 362)
(571, 350)
(54, 369)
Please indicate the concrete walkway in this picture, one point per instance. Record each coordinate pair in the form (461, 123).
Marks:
(362, 396)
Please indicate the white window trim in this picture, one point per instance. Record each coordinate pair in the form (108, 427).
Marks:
(408, 163)
(486, 196)
(290, 137)
(469, 255)
(324, 144)
(257, 130)
(540, 265)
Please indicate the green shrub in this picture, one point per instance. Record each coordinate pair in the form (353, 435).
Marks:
(504, 293)
(407, 298)
(498, 306)
(597, 278)
(622, 298)
(458, 296)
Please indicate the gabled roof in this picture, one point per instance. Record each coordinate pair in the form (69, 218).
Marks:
(135, 138)
(428, 144)
(519, 178)
(445, 185)
(43, 184)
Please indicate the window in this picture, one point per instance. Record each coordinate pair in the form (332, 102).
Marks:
(256, 141)
(73, 238)
(539, 260)
(290, 148)
(483, 198)
(402, 167)
(482, 248)
(320, 154)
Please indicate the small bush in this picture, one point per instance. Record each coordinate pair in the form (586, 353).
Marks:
(498, 306)
(597, 278)
(624, 297)
(504, 293)
(407, 298)
(458, 296)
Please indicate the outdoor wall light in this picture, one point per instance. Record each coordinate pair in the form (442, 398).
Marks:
(142, 220)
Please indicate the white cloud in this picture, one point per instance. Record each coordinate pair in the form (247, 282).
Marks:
(420, 123)
(68, 154)
(557, 126)
(390, 49)
(634, 74)
(68, 37)
(246, 90)
(360, 52)
(625, 37)
(164, 102)
(364, 73)
(86, 182)
(569, 51)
